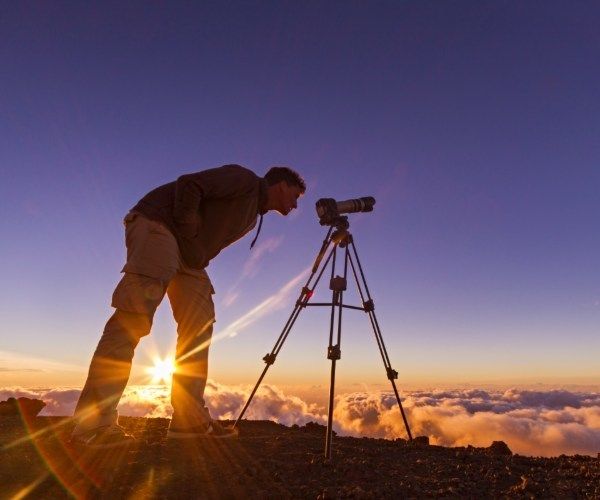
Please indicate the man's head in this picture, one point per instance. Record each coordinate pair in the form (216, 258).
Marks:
(285, 186)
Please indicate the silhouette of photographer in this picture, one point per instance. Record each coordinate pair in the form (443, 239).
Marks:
(171, 235)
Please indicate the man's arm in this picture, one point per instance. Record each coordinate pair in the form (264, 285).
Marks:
(227, 181)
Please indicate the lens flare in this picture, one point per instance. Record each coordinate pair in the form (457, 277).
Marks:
(162, 370)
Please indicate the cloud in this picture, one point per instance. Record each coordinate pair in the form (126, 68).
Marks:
(251, 266)
(223, 402)
(270, 304)
(18, 370)
(61, 401)
(18, 393)
(269, 403)
(230, 297)
(267, 246)
(146, 401)
(14, 361)
(546, 423)
(58, 401)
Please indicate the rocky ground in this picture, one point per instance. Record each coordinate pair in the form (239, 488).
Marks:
(272, 461)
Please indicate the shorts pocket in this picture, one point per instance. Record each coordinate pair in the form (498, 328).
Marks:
(138, 294)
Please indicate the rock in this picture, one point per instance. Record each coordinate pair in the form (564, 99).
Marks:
(313, 427)
(22, 406)
(250, 467)
(499, 448)
(421, 440)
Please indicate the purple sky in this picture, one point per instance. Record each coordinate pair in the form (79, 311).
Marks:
(475, 124)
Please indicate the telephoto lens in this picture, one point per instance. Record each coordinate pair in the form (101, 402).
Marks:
(357, 205)
(329, 210)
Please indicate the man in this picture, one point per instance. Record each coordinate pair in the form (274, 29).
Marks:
(171, 235)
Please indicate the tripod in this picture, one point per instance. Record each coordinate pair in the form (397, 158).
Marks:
(338, 236)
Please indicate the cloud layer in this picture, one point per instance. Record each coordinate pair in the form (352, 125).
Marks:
(543, 423)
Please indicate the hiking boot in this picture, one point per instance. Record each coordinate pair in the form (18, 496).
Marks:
(106, 436)
(210, 430)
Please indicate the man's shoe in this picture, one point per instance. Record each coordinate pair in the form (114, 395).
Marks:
(211, 430)
(107, 436)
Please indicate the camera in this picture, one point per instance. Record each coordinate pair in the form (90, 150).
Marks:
(329, 209)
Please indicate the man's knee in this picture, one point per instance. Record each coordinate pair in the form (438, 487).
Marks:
(133, 326)
(122, 334)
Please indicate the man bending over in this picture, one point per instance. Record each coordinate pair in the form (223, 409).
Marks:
(171, 235)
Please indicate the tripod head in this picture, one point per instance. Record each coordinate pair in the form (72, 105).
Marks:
(339, 222)
(338, 234)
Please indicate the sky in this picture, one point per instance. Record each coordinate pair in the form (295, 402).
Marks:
(474, 124)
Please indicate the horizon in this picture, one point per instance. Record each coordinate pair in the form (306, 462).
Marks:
(531, 422)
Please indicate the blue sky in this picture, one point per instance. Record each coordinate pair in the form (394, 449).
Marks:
(474, 124)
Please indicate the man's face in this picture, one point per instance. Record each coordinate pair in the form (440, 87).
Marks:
(286, 197)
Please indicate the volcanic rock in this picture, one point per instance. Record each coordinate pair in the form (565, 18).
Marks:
(421, 440)
(22, 406)
(499, 448)
(269, 460)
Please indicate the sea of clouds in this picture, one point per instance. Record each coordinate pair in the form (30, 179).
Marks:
(539, 423)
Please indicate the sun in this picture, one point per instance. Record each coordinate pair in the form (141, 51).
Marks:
(162, 370)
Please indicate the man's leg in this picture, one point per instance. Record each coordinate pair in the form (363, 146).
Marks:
(190, 295)
(152, 259)
(111, 364)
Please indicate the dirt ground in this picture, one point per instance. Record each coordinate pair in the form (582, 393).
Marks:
(273, 461)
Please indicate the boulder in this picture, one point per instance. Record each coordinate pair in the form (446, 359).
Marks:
(22, 406)
(421, 440)
(499, 448)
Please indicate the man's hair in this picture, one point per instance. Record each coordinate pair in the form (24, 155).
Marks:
(291, 177)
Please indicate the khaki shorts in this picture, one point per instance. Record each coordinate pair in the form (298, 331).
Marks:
(153, 261)
(152, 250)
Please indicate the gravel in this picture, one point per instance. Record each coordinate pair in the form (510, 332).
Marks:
(269, 460)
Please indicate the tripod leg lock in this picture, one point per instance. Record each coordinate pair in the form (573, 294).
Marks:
(391, 374)
(334, 352)
(337, 284)
(269, 358)
(369, 305)
(305, 296)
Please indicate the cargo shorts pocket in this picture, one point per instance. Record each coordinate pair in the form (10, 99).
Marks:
(137, 293)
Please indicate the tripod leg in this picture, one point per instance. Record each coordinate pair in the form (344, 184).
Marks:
(262, 375)
(333, 354)
(337, 285)
(321, 253)
(369, 308)
(329, 433)
(303, 299)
